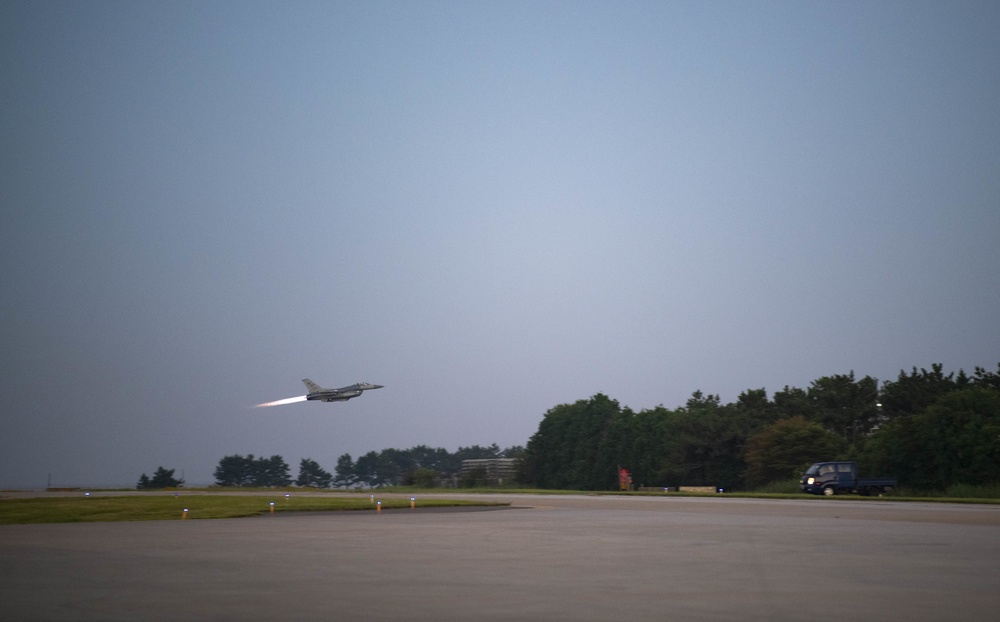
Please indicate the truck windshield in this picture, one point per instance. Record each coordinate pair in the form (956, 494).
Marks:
(812, 470)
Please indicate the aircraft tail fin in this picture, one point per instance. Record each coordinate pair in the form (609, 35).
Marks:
(312, 386)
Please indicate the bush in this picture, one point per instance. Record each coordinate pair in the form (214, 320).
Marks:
(973, 491)
(780, 487)
(424, 478)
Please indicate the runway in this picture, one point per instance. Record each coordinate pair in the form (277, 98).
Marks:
(549, 557)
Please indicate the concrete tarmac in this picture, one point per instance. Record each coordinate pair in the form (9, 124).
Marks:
(546, 558)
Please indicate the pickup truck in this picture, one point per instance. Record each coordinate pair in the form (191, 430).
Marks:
(833, 478)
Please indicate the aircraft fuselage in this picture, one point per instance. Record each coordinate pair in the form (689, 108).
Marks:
(321, 394)
(333, 397)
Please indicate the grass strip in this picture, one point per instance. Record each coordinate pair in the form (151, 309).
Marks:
(905, 496)
(140, 507)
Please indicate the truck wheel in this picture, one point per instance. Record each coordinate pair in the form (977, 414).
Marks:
(829, 491)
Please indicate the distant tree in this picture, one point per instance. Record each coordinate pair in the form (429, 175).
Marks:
(956, 440)
(162, 478)
(700, 444)
(912, 393)
(271, 472)
(346, 475)
(792, 402)
(454, 463)
(387, 467)
(845, 406)
(780, 450)
(514, 451)
(755, 409)
(235, 470)
(987, 379)
(365, 469)
(310, 474)
(426, 457)
(646, 432)
(474, 477)
(416, 462)
(424, 478)
(568, 450)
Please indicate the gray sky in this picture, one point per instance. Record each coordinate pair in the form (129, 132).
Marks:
(489, 207)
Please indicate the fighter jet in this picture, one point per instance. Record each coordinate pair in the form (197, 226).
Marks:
(343, 394)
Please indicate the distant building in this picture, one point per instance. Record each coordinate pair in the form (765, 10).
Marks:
(494, 471)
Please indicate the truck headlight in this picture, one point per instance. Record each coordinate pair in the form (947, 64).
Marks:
(811, 481)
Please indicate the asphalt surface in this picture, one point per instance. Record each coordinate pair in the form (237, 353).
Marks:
(546, 558)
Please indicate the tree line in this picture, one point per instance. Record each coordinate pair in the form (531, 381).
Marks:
(930, 429)
(420, 465)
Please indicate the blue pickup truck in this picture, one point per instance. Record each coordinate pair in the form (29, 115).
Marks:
(835, 478)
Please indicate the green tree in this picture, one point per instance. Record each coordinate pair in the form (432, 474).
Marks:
(704, 444)
(987, 379)
(310, 474)
(424, 477)
(566, 450)
(345, 472)
(162, 478)
(955, 440)
(898, 448)
(365, 468)
(271, 472)
(792, 402)
(647, 432)
(913, 393)
(514, 451)
(426, 457)
(845, 406)
(782, 449)
(964, 429)
(389, 467)
(237, 470)
(756, 411)
(234, 470)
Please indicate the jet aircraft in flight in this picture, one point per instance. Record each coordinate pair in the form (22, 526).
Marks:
(319, 394)
(342, 394)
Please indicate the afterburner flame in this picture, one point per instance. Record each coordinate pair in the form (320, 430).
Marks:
(290, 400)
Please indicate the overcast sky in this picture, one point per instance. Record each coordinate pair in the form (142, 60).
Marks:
(491, 208)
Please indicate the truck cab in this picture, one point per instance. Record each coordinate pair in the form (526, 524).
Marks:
(827, 477)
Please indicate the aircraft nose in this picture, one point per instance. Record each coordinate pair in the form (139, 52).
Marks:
(377, 386)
